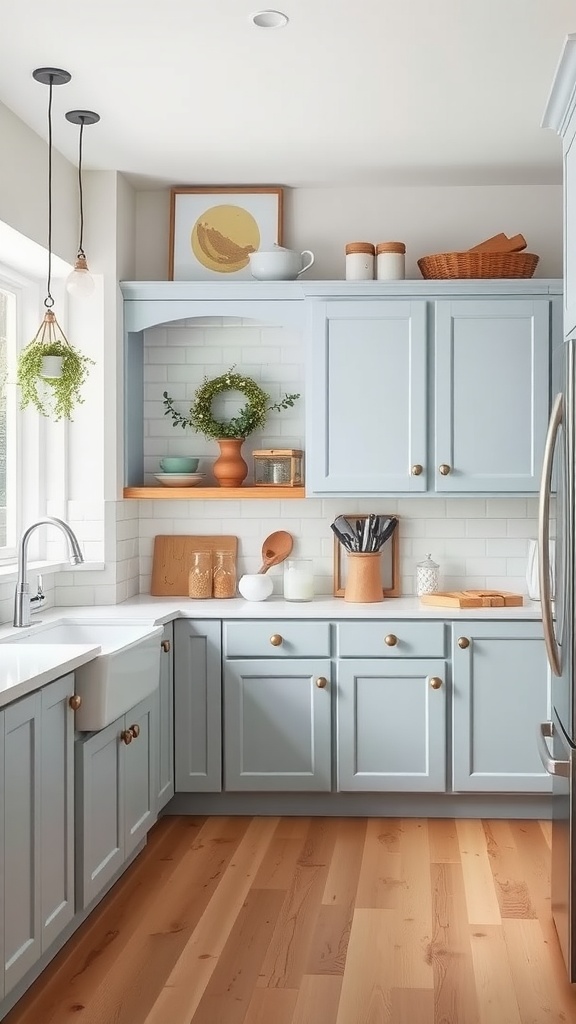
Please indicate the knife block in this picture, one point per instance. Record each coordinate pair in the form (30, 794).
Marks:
(364, 582)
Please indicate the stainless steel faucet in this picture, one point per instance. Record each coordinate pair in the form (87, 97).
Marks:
(22, 601)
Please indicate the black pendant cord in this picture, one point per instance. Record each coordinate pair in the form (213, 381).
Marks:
(49, 301)
(80, 249)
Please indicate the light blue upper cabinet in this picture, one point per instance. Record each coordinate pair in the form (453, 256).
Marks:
(366, 403)
(444, 391)
(492, 373)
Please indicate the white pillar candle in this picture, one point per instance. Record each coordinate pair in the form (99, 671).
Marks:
(298, 579)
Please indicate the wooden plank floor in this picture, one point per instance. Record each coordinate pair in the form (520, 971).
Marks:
(318, 921)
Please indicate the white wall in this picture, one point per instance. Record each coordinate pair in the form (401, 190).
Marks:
(432, 219)
(24, 186)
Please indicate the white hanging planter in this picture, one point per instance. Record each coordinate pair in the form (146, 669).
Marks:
(51, 366)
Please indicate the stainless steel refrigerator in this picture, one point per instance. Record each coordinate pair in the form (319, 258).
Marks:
(557, 739)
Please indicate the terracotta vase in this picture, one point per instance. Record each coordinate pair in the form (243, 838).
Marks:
(230, 469)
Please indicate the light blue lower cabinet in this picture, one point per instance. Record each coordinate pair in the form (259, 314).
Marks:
(116, 786)
(277, 725)
(165, 784)
(501, 694)
(197, 706)
(391, 725)
(38, 825)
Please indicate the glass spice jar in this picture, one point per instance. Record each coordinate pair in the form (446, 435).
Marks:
(200, 575)
(390, 261)
(359, 261)
(427, 576)
(224, 575)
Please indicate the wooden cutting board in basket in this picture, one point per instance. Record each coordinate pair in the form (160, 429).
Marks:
(474, 599)
(172, 558)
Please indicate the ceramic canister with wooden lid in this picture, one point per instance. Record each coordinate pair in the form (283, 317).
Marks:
(390, 261)
(359, 261)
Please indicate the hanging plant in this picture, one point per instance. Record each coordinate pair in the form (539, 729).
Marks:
(53, 397)
(251, 417)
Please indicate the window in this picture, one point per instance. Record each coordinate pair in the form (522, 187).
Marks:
(8, 424)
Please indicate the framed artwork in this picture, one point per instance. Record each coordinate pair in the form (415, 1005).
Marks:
(390, 563)
(213, 230)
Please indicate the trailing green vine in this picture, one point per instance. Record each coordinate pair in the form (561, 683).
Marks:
(53, 397)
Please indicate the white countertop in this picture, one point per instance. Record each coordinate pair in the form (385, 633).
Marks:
(26, 667)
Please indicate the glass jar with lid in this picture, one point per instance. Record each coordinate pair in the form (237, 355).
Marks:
(224, 575)
(427, 576)
(200, 575)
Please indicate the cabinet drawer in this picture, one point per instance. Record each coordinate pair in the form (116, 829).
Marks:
(276, 639)
(392, 639)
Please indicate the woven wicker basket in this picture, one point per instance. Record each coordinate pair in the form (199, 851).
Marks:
(478, 264)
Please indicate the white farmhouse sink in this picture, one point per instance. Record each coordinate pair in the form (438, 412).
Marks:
(126, 670)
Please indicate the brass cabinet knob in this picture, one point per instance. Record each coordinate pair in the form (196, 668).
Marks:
(135, 730)
(435, 682)
(75, 701)
(463, 642)
(165, 645)
(416, 470)
(126, 736)
(276, 640)
(391, 640)
(321, 682)
(444, 469)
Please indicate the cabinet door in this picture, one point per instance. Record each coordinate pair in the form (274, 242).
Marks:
(140, 771)
(366, 411)
(165, 786)
(277, 725)
(492, 376)
(22, 846)
(57, 803)
(392, 725)
(197, 707)
(99, 810)
(501, 694)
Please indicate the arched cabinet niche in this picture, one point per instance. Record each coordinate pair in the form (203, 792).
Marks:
(168, 304)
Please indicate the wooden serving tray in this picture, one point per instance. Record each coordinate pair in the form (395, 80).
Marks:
(474, 599)
(172, 559)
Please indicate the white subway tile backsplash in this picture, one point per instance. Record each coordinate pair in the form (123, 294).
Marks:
(506, 508)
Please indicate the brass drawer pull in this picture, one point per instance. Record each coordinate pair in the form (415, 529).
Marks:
(276, 640)
(444, 469)
(126, 736)
(135, 730)
(75, 701)
(463, 642)
(391, 640)
(165, 645)
(416, 470)
(435, 682)
(321, 682)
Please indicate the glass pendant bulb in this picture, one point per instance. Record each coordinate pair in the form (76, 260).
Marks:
(80, 281)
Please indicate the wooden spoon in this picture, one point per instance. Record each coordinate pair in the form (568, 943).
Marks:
(275, 549)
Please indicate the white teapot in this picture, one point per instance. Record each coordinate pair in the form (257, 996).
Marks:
(279, 264)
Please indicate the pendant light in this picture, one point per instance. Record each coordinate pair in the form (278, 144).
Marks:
(50, 331)
(80, 282)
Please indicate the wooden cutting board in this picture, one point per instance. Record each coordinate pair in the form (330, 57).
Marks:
(474, 599)
(172, 558)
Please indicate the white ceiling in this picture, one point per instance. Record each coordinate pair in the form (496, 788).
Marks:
(350, 92)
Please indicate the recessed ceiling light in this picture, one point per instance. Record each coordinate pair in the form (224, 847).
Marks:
(269, 19)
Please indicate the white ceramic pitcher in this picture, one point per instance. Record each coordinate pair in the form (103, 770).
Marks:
(279, 264)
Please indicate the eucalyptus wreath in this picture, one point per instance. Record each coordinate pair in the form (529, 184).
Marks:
(252, 415)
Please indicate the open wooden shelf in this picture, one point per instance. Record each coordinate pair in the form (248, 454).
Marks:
(213, 493)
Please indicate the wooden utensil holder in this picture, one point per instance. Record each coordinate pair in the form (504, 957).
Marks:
(364, 582)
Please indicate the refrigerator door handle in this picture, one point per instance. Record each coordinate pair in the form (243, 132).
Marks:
(553, 767)
(552, 648)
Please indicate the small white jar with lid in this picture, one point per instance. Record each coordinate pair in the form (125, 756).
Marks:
(427, 576)
(359, 261)
(390, 261)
